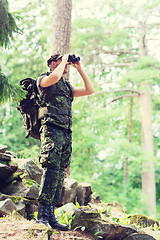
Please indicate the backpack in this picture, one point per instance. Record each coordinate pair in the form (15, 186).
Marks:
(29, 107)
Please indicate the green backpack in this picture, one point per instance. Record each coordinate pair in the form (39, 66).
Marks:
(29, 107)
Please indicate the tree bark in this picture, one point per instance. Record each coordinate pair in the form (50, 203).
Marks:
(60, 33)
(148, 172)
(145, 99)
(61, 26)
(129, 140)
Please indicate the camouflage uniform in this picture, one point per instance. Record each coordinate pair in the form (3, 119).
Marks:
(56, 137)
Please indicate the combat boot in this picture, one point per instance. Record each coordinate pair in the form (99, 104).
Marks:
(54, 222)
(43, 215)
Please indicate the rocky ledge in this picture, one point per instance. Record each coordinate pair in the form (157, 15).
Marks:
(19, 188)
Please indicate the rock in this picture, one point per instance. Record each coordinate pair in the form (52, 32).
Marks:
(31, 208)
(20, 207)
(33, 170)
(5, 171)
(6, 207)
(91, 220)
(139, 236)
(13, 177)
(96, 198)
(17, 189)
(68, 192)
(84, 192)
(33, 192)
(3, 196)
(14, 165)
(117, 206)
(5, 157)
(68, 208)
(12, 154)
(3, 148)
(116, 210)
(142, 220)
(154, 232)
(20, 189)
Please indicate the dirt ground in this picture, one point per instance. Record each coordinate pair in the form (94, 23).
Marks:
(11, 229)
(72, 235)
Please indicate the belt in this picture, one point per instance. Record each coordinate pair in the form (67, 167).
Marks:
(44, 111)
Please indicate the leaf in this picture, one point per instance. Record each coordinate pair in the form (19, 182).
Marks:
(97, 233)
(83, 228)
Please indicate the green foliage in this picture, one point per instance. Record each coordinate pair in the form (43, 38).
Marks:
(145, 71)
(100, 130)
(7, 24)
(65, 218)
(31, 152)
(28, 182)
(118, 38)
(15, 199)
(5, 88)
(9, 91)
(35, 215)
(87, 36)
(12, 132)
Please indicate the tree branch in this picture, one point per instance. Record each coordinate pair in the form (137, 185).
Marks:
(120, 52)
(137, 93)
(123, 96)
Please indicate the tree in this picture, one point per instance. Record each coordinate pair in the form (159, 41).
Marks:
(7, 24)
(7, 27)
(109, 47)
(125, 46)
(61, 26)
(61, 30)
(148, 169)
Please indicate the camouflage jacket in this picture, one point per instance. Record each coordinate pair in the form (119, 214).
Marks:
(57, 102)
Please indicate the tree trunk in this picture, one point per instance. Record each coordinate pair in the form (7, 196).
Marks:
(148, 171)
(60, 33)
(61, 26)
(129, 140)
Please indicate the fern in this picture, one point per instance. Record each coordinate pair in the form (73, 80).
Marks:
(8, 91)
(7, 24)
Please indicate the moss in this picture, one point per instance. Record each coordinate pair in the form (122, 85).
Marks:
(142, 220)
(14, 182)
(13, 162)
(29, 182)
(15, 199)
(17, 175)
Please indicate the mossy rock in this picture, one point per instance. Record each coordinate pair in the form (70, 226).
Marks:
(90, 220)
(29, 182)
(139, 236)
(142, 220)
(15, 199)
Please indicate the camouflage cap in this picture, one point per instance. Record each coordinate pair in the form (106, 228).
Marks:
(54, 58)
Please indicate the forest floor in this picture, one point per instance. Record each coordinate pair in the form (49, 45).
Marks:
(11, 229)
(72, 235)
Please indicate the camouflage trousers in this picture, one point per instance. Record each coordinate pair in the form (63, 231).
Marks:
(55, 154)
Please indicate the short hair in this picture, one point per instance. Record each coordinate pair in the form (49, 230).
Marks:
(54, 58)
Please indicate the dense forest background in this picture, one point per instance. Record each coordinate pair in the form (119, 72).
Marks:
(118, 42)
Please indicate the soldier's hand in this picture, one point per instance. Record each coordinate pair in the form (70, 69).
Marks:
(65, 57)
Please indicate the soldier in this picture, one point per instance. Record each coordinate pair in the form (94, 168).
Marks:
(55, 132)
